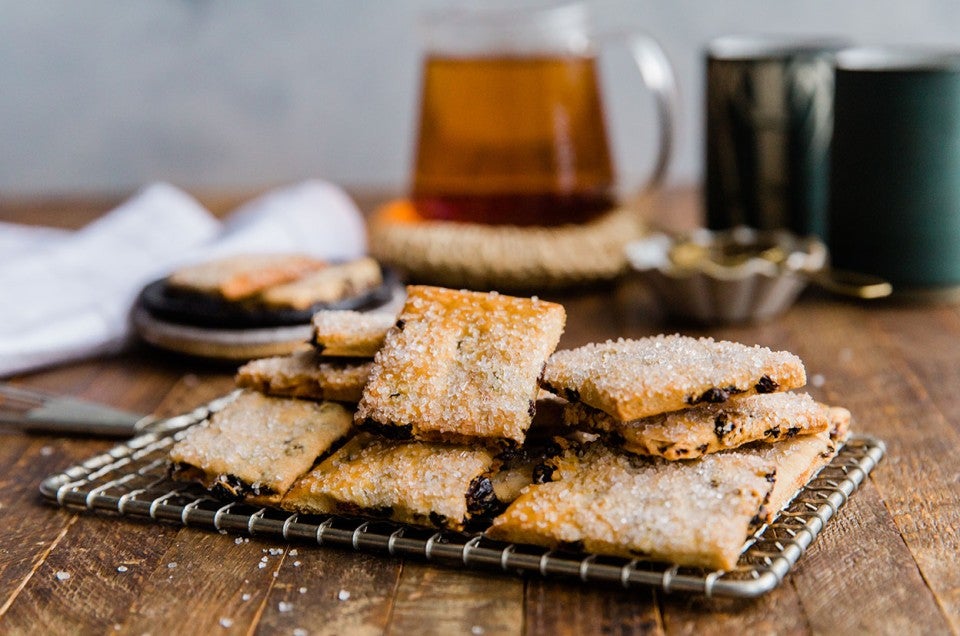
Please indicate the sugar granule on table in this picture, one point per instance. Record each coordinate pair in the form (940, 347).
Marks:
(284, 606)
(62, 576)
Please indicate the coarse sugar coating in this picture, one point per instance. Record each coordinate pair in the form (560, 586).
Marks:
(306, 375)
(258, 444)
(350, 333)
(696, 513)
(709, 428)
(461, 365)
(630, 379)
(243, 275)
(411, 482)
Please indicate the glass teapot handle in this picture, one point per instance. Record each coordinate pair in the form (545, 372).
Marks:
(659, 78)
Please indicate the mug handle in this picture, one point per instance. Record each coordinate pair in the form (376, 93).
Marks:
(658, 76)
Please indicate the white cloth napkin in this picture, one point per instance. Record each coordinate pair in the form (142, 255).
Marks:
(67, 295)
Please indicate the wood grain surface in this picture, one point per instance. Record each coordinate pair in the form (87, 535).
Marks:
(888, 564)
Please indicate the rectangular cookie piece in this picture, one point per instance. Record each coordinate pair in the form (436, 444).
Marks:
(258, 445)
(696, 513)
(421, 483)
(306, 375)
(424, 484)
(330, 284)
(236, 277)
(461, 365)
(347, 333)
(630, 379)
(708, 428)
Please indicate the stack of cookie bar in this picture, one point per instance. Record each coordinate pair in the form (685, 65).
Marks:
(698, 445)
(671, 448)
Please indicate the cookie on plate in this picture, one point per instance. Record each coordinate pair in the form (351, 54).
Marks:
(257, 446)
(461, 365)
(708, 428)
(241, 276)
(306, 375)
(630, 379)
(348, 333)
(604, 501)
(327, 285)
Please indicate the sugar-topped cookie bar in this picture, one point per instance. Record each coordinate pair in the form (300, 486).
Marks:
(461, 365)
(604, 501)
(258, 445)
(630, 379)
(347, 333)
(708, 428)
(330, 284)
(440, 485)
(421, 483)
(306, 375)
(236, 277)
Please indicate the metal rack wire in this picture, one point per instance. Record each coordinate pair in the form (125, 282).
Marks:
(131, 480)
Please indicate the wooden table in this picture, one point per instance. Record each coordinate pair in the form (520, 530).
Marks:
(888, 564)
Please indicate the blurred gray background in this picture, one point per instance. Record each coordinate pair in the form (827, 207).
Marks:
(211, 95)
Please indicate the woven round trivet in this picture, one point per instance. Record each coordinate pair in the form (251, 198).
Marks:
(477, 256)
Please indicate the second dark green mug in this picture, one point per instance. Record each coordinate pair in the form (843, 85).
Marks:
(894, 208)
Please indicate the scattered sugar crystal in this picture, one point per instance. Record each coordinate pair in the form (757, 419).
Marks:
(276, 551)
(817, 380)
(261, 565)
(246, 596)
(343, 595)
(226, 622)
(276, 574)
(294, 552)
(264, 559)
(300, 632)
(238, 540)
(62, 576)
(476, 630)
(172, 565)
(46, 451)
(296, 564)
(121, 568)
(285, 607)
(303, 590)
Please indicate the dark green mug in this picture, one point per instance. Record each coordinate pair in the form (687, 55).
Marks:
(768, 120)
(894, 206)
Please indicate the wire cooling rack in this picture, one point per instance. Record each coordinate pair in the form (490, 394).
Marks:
(132, 480)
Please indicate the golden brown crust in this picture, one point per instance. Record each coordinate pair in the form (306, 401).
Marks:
(327, 285)
(709, 428)
(258, 444)
(306, 375)
(631, 379)
(460, 365)
(346, 333)
(410, 482)
(603, 501)
(236, 277)
(799, 459)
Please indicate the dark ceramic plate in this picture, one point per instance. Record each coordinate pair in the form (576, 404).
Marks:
(200, 310)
